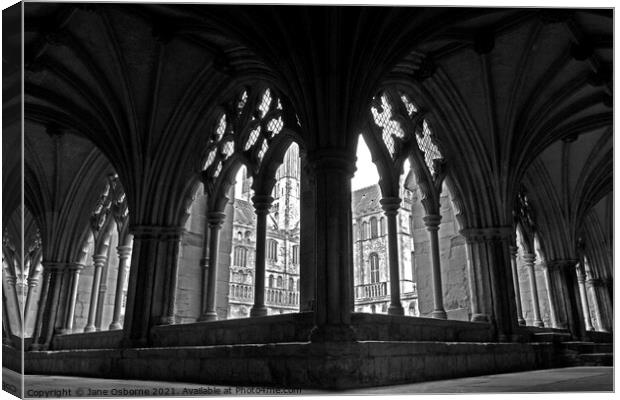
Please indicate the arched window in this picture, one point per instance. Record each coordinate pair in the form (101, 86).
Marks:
(373, 228)
(382, 226)
(355, 233)
(239, 235)
(295, 254)
(240, 257)
(270, 281)
(364, 230)
(298, 285)
(374, 268)
(279, 282)
(248, 235)
(291, 284)
(272, 250)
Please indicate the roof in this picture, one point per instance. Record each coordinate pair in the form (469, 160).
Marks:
(366, 200)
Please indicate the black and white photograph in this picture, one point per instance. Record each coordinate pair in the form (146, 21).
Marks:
(205, 199)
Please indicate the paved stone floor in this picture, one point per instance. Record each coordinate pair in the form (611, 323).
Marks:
(582, 379)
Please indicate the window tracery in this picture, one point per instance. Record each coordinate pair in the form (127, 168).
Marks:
(399, 120)
(247, 125)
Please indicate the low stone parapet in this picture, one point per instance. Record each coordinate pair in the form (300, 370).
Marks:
(298, 365)
(395, 327)
(268, 329)
(88, 340)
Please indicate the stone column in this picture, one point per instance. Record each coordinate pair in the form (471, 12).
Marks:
(215, 220)
(74, 277)
(491, 286)
(596, 286)
(50, 310)
(204, 268)
(515, 279)
(99, 261)
(103, 289)
(33, 281)
(142, 312)
(529, 260)
(583, 294)
(307, 239)
(11, 280)
(124, 253)
(390, 207)
(171, 243)
(38, 324)
(552, 312)
(334, 255)
(564, 293)
(432, 222)
(262, 204)
(6, 322)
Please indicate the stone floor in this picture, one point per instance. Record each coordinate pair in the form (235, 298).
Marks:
(582, 379)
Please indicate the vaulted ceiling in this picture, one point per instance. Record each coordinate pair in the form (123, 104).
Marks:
(502, 88)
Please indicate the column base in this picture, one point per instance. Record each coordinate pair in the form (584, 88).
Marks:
(332, 333)
(115, 326)
(521, 322)
(539, 324)
(479, 318)
(396, 310)
(209, 316)
(90, 328)
(439, 314)
(65, 331)
(259, 311)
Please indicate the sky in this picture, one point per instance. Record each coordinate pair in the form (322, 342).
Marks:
(366, 173)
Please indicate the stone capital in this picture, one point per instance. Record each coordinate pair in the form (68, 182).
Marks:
(432, 221)
(332, 159)
(53, 266)
(594, 282)
(123, 251)
(215, 219)
(529, 258)
(262, 203)
(99, 260)
(75, 267)
(146, 232)
(32, 282)
(513, 250)
(390, 205)
(488, 233)
(560, 264)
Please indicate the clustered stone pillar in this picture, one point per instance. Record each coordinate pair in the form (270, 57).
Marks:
(6, 323)
(390, 207)
(334, 263)
(152, 282)
(490, 277)
(11, 279)
(33, 281)
(432, 222)
(552, 303)
(73, 281)
(99, 261)
(564, 294)
(529, 261)
(262, 203)
(49, 300)
(583, 294)
(124, 254)
(596, 287)
(170, 244)
(215, 220)
(307, 256)
(515, 279)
